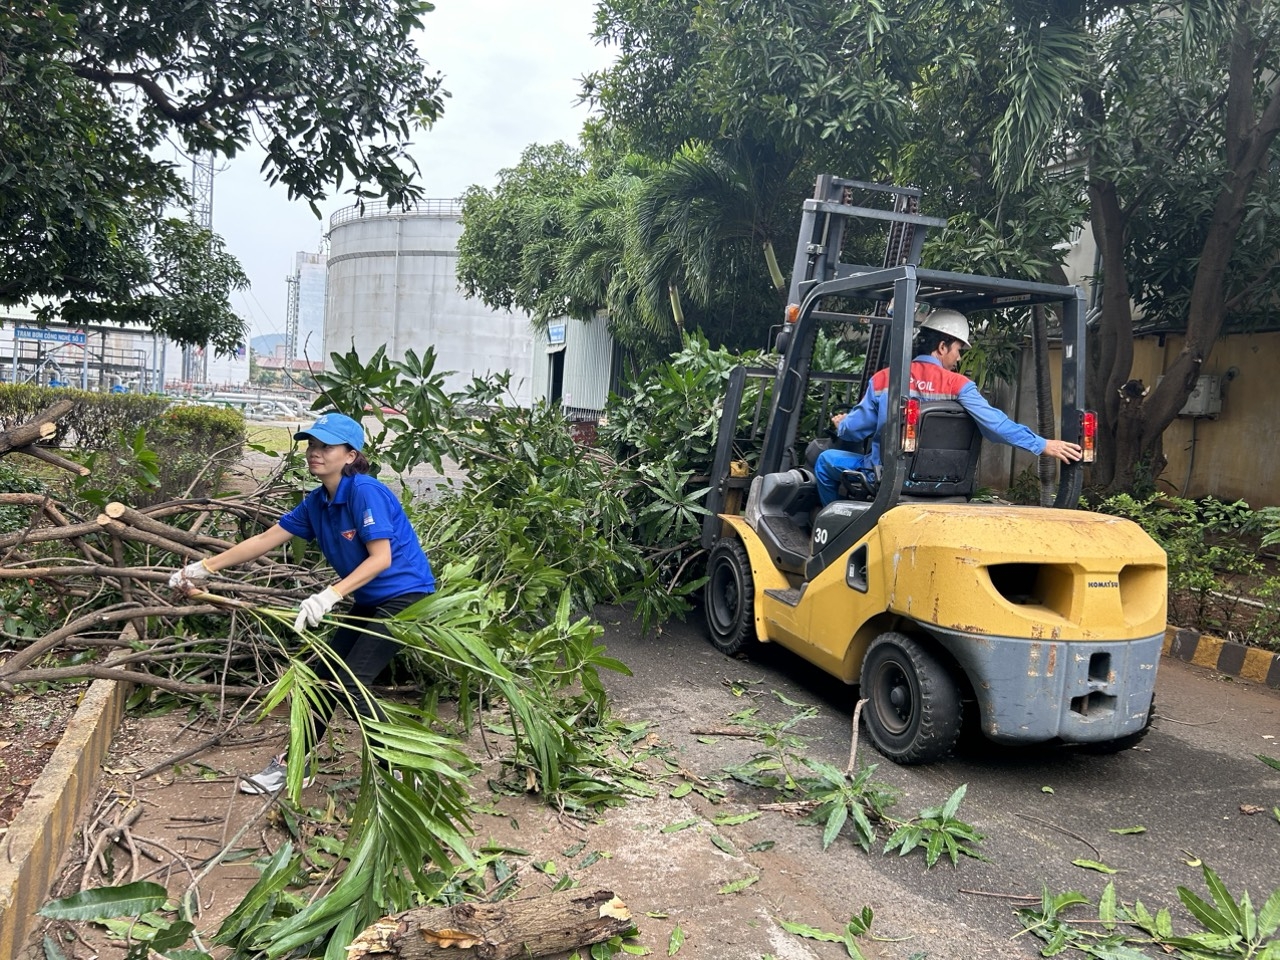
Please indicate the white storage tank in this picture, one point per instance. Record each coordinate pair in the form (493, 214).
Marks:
(393, 282)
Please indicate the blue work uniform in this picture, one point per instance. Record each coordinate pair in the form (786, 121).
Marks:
(930, 380)
(361, 510)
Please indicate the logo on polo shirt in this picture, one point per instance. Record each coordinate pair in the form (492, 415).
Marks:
(348, 534)
(368, 518)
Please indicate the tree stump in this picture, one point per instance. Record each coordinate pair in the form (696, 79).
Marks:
(522, 927)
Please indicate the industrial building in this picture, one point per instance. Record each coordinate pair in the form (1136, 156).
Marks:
(576, 364)
(392, 282)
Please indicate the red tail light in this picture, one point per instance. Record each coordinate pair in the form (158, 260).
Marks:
(910, 420)
(1088, 435)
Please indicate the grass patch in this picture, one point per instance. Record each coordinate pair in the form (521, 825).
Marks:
(277, 439)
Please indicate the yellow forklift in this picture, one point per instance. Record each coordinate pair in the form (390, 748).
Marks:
(1039, 623)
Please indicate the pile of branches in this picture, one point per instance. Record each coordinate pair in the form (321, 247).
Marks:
(98, 584)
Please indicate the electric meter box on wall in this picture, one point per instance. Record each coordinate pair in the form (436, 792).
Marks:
(1206, 399)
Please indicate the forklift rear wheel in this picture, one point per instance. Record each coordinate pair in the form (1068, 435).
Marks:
(730, 598)
(913, 712)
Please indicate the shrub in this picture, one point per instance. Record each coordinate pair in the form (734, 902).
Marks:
(94, 420)
(1213, 567)
(185, 451)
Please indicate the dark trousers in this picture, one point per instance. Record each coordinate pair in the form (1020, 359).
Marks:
(366, 647)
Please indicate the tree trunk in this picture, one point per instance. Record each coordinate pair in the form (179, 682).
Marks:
(1114, 346)
(525, 927)
(1135, 415)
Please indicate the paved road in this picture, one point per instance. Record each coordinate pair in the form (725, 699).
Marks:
(1185, 784)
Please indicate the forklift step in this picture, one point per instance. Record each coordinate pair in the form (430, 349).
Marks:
(790, 597)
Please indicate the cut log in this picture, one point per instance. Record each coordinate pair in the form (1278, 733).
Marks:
(23, 437)
(41, 427)
(48, 456)
(523, 927)
(145, 536)
(136, 518)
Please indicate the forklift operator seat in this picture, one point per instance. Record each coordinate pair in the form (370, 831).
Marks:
(945, 461)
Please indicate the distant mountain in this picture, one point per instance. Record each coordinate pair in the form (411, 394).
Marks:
(266, 344)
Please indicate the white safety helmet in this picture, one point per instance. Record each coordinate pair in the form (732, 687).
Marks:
(951, 322)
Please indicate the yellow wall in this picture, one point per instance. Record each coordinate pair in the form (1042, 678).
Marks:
(1237, 452)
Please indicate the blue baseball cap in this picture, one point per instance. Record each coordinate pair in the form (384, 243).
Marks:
(334, 428)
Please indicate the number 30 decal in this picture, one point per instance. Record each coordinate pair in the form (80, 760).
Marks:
(820, 536)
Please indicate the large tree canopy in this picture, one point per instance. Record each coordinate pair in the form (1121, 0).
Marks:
(1172, 110)
(1153, 120)
(89, 90)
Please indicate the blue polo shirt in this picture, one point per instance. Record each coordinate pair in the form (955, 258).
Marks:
(363, 509)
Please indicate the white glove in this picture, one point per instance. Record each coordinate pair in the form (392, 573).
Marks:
(313, 609)
(188, 575)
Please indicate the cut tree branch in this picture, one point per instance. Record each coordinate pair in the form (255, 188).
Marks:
(524, 927)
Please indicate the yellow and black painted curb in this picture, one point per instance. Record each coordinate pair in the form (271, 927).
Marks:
(1223, 656)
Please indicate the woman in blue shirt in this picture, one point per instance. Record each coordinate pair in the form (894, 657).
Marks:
(364, 534)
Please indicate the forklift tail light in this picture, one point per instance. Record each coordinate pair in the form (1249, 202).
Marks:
(1088, 435)
(793, 312)
(910, 421)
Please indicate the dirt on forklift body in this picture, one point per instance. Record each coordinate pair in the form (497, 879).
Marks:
(1048, 621)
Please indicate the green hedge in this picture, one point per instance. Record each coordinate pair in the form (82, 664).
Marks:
(186, 438)
(94, 421)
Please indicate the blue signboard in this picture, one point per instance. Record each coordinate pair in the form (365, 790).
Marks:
(555, 333)
(39, 333)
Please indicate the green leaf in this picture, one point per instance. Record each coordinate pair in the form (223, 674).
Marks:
(835, 823)
(1269, 761)
(737, 886)
(676, 941)
(1128, 830)
(811, 933)
(1046, 789)
(681, 790)
(680, 825)
(731, 820)
(104, 903)
(1093, 865)
(1210, 918)
(1226, 903)
(953, 802)
(1269, 915)
(723, 844)
(1107, 906)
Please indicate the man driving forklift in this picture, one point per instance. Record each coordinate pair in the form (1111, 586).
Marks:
(940, 340)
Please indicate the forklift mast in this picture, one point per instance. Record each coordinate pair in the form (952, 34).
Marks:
(817, 261)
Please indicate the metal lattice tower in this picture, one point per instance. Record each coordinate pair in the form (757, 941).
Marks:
(195, 362)
(294, 284)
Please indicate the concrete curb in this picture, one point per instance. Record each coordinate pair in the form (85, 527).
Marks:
(1222, 656)
(39, 836)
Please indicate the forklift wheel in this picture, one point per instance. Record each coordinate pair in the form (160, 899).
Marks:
(913, 712)
(730, 598)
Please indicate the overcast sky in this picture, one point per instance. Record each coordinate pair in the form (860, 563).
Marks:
(512, 67)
